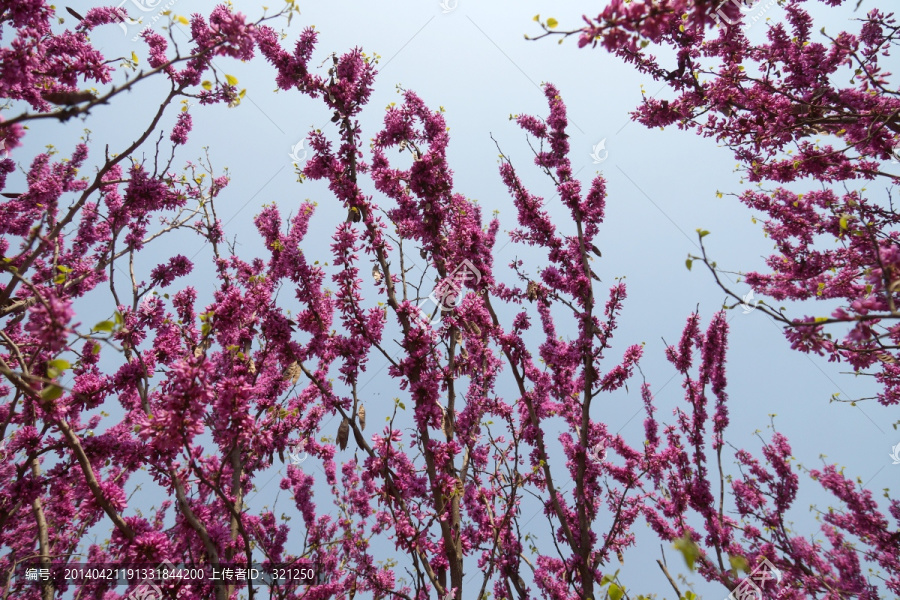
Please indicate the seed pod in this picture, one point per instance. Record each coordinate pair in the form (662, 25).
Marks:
(531, 292)
(361, 415)
(69, 98)
(201, 348)
(445, 422)
(376, 274)
(885, 358)
(292, 372)
(472, 328)
(343, 434)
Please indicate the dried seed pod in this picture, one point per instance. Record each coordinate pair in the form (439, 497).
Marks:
(361, 415)
(376, 274)
(69, 98)
(472, 328)
(343, 434)
(201, 348)
(292, 372)
(531, 292)
(445, 422)
(885, 358)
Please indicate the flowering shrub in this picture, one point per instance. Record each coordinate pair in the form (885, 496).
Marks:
(206, 397)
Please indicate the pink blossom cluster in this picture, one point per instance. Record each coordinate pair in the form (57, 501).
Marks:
(783, 107)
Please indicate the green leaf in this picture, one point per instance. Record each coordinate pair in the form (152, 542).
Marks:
(51, 392)
(616, 592)
(95, 349)
(689, 263)
(703, 233)
(688, 549)
(844, 222)
(182, 20)
(537, 18)
(63, 269)
(207, 85)
(61, 278)
(104, 326)
(609, 577)
(231, 79)
(60, 364)
(552, 23)
(739, 563)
